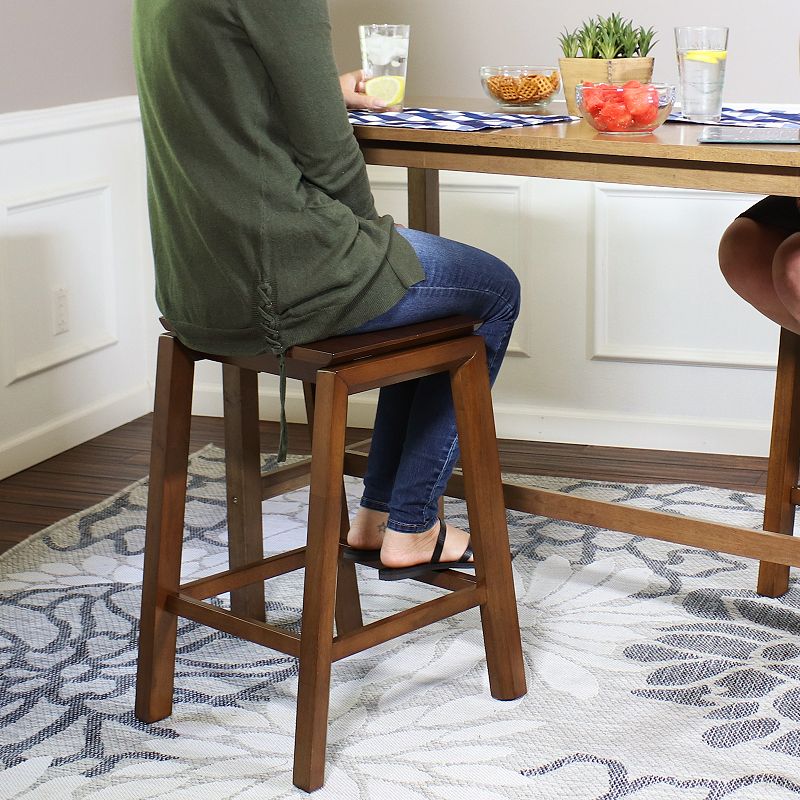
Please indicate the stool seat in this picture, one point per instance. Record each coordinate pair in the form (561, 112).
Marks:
(303, 360)
(331, 370)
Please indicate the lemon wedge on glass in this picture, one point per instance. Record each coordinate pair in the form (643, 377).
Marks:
(389, 88)
(708, 56)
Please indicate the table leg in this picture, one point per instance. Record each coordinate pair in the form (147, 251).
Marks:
(784, 458)
(423, 215)
(423, 199)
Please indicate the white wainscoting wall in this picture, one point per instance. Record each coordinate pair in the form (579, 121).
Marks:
(628, 334)
(74, 278)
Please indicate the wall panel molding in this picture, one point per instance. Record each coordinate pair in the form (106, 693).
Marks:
(630, 210)
(30, 347)
(483, 193)
(74, 260)
(26, 125)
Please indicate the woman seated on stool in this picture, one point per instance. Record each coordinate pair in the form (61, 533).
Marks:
(265, 235)
(759, 255)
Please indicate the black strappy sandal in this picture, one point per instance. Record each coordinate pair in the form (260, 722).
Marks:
(372, 558)
(398, 573)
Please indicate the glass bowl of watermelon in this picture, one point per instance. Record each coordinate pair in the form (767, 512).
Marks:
(628, 108)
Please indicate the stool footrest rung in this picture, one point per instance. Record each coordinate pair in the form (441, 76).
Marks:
(355, 464)
(223, 620)
(262, 570)
(411, 619)
(285, 479)
(361, 447)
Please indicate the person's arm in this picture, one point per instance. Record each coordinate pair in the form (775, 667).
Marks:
(292, 38)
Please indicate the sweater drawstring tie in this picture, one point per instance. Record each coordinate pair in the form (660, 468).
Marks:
(283, 440)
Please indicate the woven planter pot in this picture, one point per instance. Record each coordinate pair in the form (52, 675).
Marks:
(601, 70)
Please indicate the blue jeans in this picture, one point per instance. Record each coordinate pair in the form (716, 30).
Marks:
(414, 444)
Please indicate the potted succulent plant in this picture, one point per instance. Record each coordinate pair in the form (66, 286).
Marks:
(604, 50)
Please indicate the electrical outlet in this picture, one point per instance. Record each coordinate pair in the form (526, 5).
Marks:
(60, 310)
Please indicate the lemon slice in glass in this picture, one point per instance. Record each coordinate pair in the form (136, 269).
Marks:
(708, 56)
(389, 88)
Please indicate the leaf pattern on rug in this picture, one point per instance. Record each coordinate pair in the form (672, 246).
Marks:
(579, 620)
(621, 783)
(654, 671)
(741, 663)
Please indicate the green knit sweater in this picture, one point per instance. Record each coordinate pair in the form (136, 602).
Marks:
(264, 228)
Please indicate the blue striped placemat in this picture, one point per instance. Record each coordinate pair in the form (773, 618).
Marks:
(438, 119)
(751, 118)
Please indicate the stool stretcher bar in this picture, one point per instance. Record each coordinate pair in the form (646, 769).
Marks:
(375, 633)
(777, 548)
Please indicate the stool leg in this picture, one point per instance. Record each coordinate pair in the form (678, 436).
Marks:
(243, 477)
(316, 635)
(348, 601)
(784, 457)
(487, 524)
(166, 501)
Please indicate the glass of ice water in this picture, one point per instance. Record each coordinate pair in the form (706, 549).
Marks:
(702, 55)
(384, 57)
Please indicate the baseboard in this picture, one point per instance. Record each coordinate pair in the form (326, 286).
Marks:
(62, 433)
(531, 424)
(684, 434)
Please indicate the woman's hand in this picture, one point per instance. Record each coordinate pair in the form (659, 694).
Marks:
(352, 84)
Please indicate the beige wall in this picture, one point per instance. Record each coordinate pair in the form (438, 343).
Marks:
(451, 39)
(56, 52)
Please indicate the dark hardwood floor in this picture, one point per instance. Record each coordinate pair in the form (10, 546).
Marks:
(85, 475)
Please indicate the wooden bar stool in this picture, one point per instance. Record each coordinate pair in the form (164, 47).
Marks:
(783, 495)
(331, 370)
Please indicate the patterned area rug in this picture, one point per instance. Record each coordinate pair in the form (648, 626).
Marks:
(655, 672)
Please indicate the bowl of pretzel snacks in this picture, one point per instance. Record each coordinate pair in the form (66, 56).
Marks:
(520, 88)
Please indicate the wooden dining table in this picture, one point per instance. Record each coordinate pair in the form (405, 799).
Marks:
(669, 157)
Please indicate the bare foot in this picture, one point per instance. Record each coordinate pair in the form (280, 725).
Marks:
(367, 529)
(409, 549)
